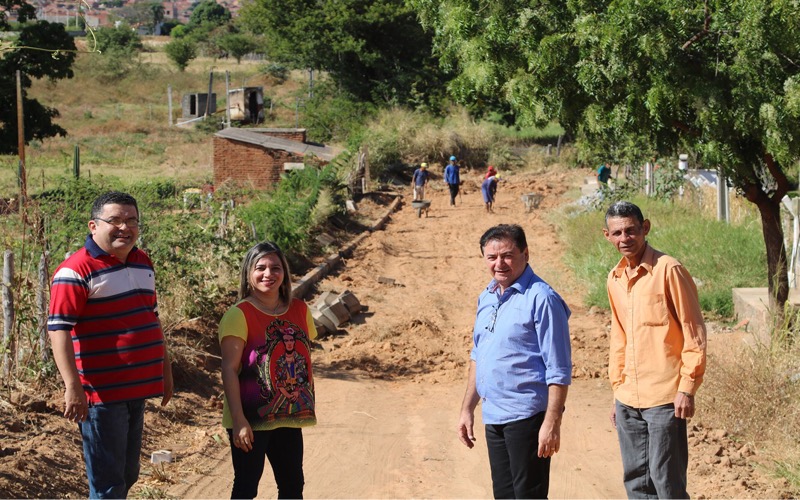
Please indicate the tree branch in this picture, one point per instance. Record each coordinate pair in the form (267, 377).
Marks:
(702, 34)
(779, 176)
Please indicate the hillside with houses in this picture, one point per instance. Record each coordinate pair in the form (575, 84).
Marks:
(96, 14)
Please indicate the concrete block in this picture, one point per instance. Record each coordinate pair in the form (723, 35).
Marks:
(326, 298)
(350, 300)
(322, 322)
(160, 456)
(753, 304)
(326, 239)
(336, 312)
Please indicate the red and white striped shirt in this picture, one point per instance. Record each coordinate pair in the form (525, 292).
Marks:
(111, 311)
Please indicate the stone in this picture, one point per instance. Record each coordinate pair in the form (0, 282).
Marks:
(325, 239)
(325, 298)
(350, 301)
(321, 321)
(336, 312)
(386, 281)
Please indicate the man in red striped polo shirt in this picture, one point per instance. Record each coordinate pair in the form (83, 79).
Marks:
(108, 343)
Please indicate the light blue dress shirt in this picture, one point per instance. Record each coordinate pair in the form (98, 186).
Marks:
(521, 345)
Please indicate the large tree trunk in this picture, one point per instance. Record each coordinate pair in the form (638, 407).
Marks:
(769, 206)
(777, 268)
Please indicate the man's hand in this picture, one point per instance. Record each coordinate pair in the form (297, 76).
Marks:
(613, 417)
(684, 405)
(465, 425)
(549, 439)
(169, 384)
(76, 408)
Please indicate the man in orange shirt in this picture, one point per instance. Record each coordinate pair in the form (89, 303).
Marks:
(657, 359)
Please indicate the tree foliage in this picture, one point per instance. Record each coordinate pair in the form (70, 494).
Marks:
(181, 51)
(209, 12)
(41, 51)
(635, 79)
(375, 49)
(122, 38)
(237, 45)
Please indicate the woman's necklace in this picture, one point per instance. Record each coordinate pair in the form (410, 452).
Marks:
(279, 307)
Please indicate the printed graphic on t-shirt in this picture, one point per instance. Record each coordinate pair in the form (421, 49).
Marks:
(284, 373)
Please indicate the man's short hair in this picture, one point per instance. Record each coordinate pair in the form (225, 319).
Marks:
(624, 209)
(112, 198)
(512, 232)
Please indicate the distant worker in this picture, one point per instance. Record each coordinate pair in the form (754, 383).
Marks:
(489, 191)
(520, 368)
(419, 180)
(489, 172)
(603, 174)
(657, 357)
(452, 179)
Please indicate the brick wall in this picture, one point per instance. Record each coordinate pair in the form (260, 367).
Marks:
(249, 165)
(293, 134)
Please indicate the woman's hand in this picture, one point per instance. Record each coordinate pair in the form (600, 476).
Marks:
(243, 436)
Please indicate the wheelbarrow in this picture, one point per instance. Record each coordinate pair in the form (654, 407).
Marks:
(531, 200)
(420, 206)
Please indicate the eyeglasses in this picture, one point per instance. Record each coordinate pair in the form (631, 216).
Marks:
(493, 319)
(133, 222)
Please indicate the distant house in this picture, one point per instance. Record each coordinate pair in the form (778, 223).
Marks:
(258, 157)
(247, 104)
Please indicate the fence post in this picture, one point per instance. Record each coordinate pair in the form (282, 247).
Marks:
(169, 103)
(9, 350)
(41, 304)
(723, 209)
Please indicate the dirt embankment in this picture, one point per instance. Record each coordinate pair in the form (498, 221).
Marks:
(389, 385)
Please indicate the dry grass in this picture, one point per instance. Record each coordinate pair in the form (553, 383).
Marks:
(704, 199)
(754, 392)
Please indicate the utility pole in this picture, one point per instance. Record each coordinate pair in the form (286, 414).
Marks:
(228, 98)
(210, 86)
(23, 188)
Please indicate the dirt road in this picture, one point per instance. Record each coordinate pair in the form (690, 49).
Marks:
(389, 388)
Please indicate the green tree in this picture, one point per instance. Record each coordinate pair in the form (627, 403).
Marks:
(237, 45)
(181, 51)
(375, 49)
(122, 37)
(33, 54)
(157, 12)
(119, 48)
(647, 78)
(209, 12)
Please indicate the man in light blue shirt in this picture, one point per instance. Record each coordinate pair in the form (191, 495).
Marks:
(453, 179)
(520, 368)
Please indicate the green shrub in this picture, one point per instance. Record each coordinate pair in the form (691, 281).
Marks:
(709, 249)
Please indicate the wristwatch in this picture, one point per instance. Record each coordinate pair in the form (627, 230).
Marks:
(687, 394)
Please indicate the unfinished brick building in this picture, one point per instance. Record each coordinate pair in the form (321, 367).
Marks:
(257, 157)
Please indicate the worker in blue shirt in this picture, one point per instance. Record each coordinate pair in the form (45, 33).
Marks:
(520, 368)
(418, 181)
(452, 178)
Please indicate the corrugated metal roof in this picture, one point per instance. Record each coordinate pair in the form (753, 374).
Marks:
(269, 142)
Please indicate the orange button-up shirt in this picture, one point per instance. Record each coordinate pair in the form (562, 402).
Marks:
(658, 337)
